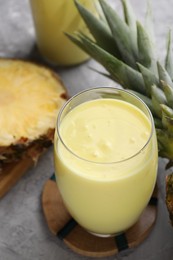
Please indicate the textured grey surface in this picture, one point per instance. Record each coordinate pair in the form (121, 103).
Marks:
(23, 232)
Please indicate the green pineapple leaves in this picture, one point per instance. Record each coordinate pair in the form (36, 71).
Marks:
(119, 71)
(169, 56)
(130, 19)
(163, 75)
(145, 49)
(125, 40)
(149, 78)
(126, 49)
(121, 34)
(168, 93)
(99, 30)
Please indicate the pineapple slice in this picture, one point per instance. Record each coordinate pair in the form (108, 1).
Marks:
(30, 98)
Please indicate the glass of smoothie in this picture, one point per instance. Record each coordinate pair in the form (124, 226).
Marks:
(51, 20)
(106, 159)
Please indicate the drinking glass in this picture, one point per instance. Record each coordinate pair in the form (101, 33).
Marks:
(105, 177)
(51, 20)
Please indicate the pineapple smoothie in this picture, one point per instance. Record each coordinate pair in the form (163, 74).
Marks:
(105, 171)
(53, 18)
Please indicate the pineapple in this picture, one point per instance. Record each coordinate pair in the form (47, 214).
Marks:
(30, 98)
(126, 49)
(169, 196)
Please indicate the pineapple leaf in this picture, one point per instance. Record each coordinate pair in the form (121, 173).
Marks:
(158, 123)
(121, 34)
(146, 100)
(120, 72)
(100, 15)
(158, 94)
(169, 124)
(168, 93)
(130, 19)
(149, 78)
(129, 15)
(169, 56)
(163, 75)
(100, 72)
(149, 23)
(167, 110)
(165, 142)
(146, 52)
(75, 38)
(158, 98)
(99, 30)
(167, 117)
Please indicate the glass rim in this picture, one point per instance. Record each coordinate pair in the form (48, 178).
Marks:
(111, 88)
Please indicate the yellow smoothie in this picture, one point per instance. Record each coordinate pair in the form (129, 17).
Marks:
(54, 17)
(103, 184)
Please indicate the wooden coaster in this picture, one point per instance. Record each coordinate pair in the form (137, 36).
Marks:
(80, 241)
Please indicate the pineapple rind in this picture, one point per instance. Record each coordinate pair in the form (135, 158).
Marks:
(169, 196)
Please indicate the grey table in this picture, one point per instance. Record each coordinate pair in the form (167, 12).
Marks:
(23, 231)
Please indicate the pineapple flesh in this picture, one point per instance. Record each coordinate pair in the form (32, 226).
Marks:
(30, 99)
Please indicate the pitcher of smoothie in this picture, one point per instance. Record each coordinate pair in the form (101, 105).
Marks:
(51, 19)
(106, 159)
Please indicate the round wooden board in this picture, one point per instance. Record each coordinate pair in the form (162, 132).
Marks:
(80, 241)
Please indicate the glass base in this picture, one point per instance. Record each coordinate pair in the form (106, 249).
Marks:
(54, 63)
(104, 235)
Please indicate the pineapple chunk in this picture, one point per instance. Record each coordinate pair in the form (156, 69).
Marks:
(30, 99)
